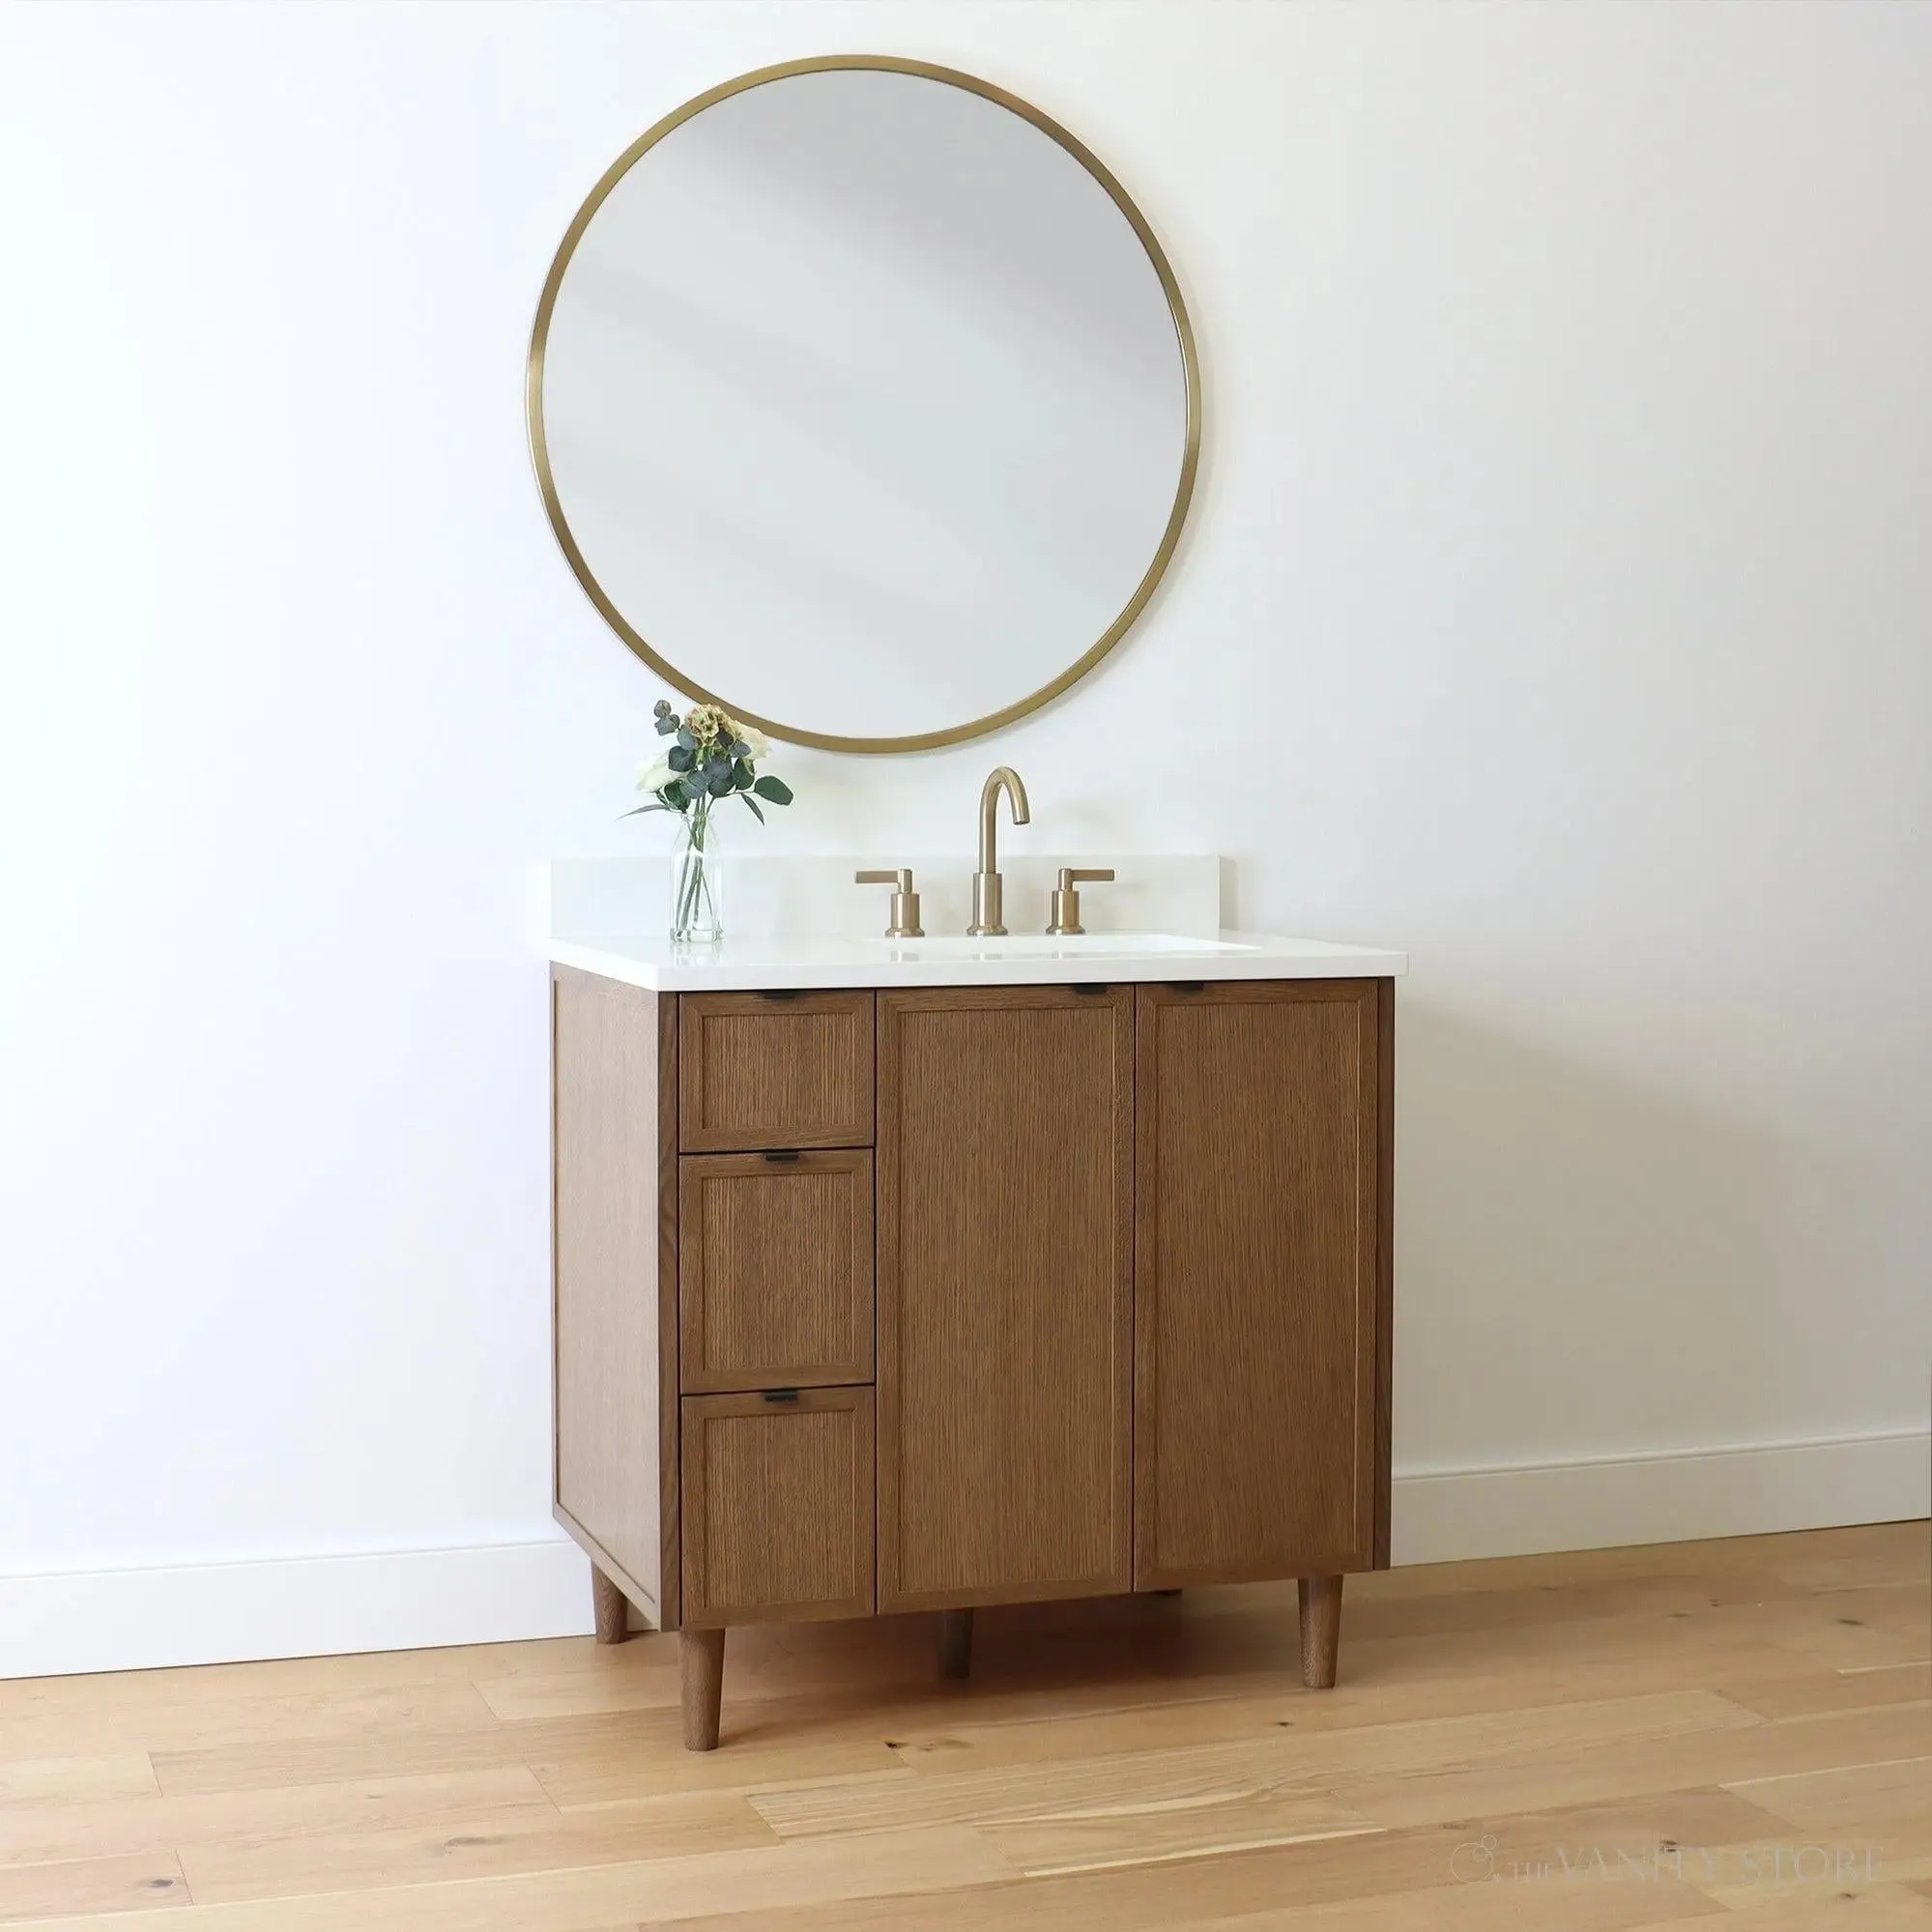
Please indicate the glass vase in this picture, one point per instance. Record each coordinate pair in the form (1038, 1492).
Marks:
(696, 892)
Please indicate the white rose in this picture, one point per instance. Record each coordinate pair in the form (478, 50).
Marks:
(649, 777)
(761, 745)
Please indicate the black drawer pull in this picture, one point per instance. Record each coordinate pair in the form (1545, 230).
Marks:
(781, 1394)
(1189, 985)
(1091, 986)
(783, 1154)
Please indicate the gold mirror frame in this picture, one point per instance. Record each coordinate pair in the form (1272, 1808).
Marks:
(1171, 536)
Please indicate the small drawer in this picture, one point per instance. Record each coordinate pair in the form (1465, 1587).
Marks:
(762, 1070)
(778, 1506)
(774, 1270)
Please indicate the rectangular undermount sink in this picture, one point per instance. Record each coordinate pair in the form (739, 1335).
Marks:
(1054, 945)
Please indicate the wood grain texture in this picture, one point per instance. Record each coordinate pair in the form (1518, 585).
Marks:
(758, 1072)
(1139, 1766)
(670, 1477)
(91, 1886)
(613, 1429)
(610, 1609)
(700, 1665)
(1319, 1599)
(1005, 1294)
(1256, 1277)
(774, 1271)
(778, 1506)
(1385, 1264)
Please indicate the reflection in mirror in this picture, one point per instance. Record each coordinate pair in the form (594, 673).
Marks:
(864, 404)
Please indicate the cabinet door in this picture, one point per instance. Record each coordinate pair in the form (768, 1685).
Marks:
(777, 1506)
(774, 1270)
(1006, 1289)
(1256, 1257)
(779, 1069)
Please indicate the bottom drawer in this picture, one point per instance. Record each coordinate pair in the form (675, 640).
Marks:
(777, 1506)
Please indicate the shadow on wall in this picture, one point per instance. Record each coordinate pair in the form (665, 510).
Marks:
(1586, 1266)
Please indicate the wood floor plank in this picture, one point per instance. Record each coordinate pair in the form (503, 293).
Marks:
(67, 1780)
(1275, 1757)
(1856, 1906)
(1849, 1795)
(904, 1866)
(143, 1826)
(533, 1838)
(1599, 1773)
(185, 1721)
(1814, 1692)
(77, 1886)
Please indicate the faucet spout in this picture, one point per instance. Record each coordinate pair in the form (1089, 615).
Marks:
(987, 893)
(1007, 780)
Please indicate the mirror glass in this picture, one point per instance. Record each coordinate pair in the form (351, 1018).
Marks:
(864, 404)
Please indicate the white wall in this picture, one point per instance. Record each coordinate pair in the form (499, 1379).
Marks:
(1559, 572)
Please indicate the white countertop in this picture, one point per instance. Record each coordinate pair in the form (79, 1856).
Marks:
(1024, 959)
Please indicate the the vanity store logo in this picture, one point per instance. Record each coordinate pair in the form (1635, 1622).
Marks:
(1482, 1862)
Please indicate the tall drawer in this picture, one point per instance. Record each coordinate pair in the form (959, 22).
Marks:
(774, 1270)
(778, 1506)
(760, 1070)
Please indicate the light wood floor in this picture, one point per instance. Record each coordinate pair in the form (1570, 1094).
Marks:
(1630, 1738)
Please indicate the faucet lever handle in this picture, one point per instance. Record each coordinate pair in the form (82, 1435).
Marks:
(905, 901)
(1066, 897)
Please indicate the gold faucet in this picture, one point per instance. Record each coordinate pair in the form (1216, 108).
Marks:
(987, 922)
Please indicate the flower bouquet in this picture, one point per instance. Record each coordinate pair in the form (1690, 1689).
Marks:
(713, 758)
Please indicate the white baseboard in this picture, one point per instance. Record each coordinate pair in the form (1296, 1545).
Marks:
(1746, 1489)
(423, 1599)
(304, 1606)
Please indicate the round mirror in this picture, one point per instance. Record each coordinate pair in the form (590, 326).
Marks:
(864, 404)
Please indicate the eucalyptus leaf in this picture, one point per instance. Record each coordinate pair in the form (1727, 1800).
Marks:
(685, 738)
(773, 789)
(739, 749)
(721, 782)
(662, 708)
(666, 726)
(753, 803)
(680, 760)
(675, 795)
(741, 776)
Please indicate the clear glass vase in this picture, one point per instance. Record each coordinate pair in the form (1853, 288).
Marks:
(697, 890)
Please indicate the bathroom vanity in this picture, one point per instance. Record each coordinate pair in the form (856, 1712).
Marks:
(916, 1275)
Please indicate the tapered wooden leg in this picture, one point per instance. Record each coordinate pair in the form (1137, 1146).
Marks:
(1321, 1628)
(700, 1659)
(955, 1642)
(613, 1608)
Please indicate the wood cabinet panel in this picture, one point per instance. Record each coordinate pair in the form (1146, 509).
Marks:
(1004, 1295)
(775, 1270)
(758, 1071)
(613, 1335)
(778, 1506)
(1258, 1262)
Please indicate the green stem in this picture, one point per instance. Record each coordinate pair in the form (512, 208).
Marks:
(691, 874)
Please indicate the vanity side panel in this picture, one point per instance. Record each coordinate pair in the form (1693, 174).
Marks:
(614, 1300)
(1385, 1260)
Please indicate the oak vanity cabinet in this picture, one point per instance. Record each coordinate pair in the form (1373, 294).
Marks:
(921, 1299)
